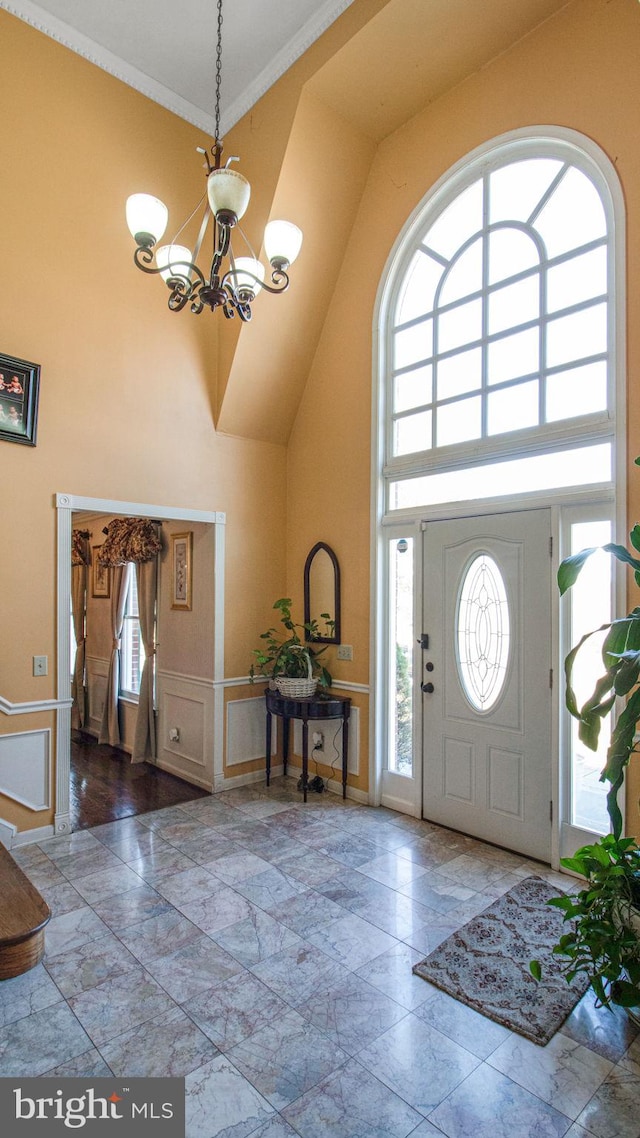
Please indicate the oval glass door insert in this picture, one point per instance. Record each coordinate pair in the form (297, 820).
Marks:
(483, 633)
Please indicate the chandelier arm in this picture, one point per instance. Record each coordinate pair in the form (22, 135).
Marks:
(178, 296)
(145, 255)
(279, 277)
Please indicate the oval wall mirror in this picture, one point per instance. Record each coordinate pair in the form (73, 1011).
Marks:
(322, 593)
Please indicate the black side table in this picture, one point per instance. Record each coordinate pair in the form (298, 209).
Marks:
(325, 706)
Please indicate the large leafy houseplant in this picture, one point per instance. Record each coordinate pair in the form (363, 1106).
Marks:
(286, 653)
(603, 941)
(620, 677)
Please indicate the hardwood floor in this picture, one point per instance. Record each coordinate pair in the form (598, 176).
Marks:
(106, 785)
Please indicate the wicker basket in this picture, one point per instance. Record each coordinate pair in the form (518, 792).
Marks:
(295, 687)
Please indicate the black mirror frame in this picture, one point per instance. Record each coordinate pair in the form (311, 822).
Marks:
(335, 639)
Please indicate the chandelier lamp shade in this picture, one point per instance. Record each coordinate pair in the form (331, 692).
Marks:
(231, 282)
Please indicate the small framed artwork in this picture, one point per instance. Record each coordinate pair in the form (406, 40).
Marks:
(181, 549)
(100, 576)
(19, 384)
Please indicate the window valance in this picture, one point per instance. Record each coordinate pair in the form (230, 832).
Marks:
(130, 539)
(80, 552)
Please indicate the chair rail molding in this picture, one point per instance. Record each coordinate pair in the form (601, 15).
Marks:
(32, 705)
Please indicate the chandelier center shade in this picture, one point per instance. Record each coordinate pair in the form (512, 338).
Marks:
(230, 282)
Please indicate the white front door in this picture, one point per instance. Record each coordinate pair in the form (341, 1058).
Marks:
(486, 676)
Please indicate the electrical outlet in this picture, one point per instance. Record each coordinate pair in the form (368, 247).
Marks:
(345, 652)
(40, 665)
(318, 740)
(174, 734)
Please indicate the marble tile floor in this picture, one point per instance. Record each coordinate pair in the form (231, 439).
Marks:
(262, 949)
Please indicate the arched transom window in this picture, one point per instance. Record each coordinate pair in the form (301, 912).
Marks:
(500, 326)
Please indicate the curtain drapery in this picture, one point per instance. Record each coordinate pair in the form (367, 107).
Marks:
(144, 742)
(138, 540)
(110, 727)
(130, 539)
(80, 558)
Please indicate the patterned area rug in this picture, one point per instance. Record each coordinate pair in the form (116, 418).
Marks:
(485, 964)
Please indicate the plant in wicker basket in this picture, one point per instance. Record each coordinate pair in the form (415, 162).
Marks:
(294, 666)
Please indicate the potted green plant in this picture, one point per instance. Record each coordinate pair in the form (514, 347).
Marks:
(603, 940)
(293, 665)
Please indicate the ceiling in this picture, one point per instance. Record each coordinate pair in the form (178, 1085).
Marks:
(405, 54)
(166, 49)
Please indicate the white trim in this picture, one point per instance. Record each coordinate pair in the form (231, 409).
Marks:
(588, 156)
(28, 837)
(34, 705)
(242, 681)
(344, 685)
(245, 779)
(353, 792)
(41, 802)
(138, 509)
(238, 682)
(66, 505)
(193, 778)
(202, 681)
(533, 500)
(7, 833)
(322, 18)
(101, 57)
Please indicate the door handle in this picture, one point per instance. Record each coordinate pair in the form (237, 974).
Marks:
(428, 688)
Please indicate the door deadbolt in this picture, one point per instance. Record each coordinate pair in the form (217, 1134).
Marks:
(429, 666)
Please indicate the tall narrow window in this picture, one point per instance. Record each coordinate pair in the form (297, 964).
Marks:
(590, 600)
(401, 640)
(132, 648)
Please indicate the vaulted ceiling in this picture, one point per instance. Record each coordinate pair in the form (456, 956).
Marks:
(326, 81)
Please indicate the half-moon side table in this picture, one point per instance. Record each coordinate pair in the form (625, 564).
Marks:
(329, 706)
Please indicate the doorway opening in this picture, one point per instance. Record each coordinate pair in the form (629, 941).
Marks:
(197, 756)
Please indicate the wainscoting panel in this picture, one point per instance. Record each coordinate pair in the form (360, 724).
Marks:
(246, 731)
(97, 674)
(332, 731)
(185, 707)
(25, 768)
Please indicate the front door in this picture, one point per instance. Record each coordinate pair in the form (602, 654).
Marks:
(486, 676)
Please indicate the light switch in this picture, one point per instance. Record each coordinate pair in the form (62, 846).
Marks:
(40, 665)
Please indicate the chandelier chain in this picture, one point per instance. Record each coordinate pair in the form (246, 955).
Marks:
(218, 70)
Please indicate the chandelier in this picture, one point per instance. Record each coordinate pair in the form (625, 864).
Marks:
(231, 283)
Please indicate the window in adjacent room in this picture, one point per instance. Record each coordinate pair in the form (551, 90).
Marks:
(132, 653)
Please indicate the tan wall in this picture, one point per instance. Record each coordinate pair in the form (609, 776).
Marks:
(578, 70)
(185, 638)
(127, 387)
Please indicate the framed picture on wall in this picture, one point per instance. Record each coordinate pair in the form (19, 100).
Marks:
(19, 383)
(181, 550)
(100, 576)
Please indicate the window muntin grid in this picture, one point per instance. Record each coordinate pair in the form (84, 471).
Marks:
(502, 322)
(482, 632)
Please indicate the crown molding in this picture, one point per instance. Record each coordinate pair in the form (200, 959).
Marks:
(101, 57)
(323, 17)
(63, 33)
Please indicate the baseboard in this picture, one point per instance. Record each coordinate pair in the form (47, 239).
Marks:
(28, 837)
(245, 779)
(179, 773)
